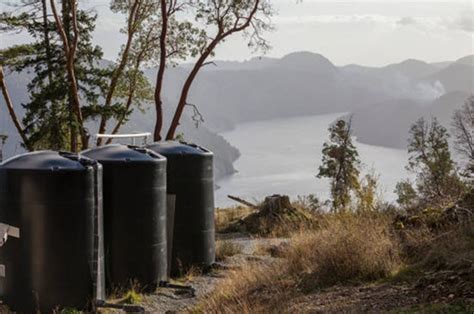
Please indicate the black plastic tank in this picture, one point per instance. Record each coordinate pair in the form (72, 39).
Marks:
(134, 215)
(51, 213)
(191, 182)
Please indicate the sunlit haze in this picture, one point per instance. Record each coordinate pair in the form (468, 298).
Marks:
(363, 32)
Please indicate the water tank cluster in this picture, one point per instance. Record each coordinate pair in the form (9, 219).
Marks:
(73, 226)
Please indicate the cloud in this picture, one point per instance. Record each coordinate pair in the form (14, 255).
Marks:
(465, 22)
(407, 21)
(333, 19)
(420, 22)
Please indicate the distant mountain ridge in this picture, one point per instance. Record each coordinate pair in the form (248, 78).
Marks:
(384, 100)
(305, 83)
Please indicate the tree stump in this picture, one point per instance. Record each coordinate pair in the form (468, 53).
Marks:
(276, 204)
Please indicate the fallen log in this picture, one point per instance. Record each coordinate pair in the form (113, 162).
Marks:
(241, 201)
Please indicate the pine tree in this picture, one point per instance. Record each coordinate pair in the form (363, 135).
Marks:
(49, 120)
(340, 163)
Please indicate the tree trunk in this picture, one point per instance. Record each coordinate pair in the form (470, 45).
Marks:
(72, 121)
(123, 62)
(187, 86)
(122, 119)
(70, 52)
(11, 110)
(160, 74)
(55, 140)
(220, 36)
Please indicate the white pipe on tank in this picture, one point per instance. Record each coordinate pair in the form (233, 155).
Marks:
(133, 136)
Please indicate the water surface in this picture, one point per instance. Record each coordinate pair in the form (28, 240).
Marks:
(282, 157)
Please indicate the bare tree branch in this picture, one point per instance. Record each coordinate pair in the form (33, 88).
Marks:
(131, 30)
(229, 20)
(11, 110)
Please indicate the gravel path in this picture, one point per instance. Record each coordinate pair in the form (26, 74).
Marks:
(166, 300)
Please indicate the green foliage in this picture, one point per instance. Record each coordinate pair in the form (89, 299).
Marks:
(134, 82)
(437, 182)
(232, 14)
(131, 297)
(179, 137)
(367, 193)
(311, 202)
(49, 121)
(407, 196)
(340, 163)
(463, 130)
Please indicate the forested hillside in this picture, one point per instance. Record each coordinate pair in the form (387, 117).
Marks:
(386, 99)
(306, 83)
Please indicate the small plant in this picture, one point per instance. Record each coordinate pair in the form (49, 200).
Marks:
(311, 203)
(132, 297)
(226, 249)
(188, 274)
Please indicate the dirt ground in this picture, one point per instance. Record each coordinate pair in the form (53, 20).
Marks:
(434, 292)
(166, 300)
(425, 296)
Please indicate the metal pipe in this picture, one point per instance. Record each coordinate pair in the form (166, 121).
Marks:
(133, 136)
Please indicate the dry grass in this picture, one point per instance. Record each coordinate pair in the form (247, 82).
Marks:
(245, 290)
(264, 223)
(441, 264)
(452, 249)
(276, 216)
(226, 249)
(344, 248)
(351, 249)
(227, 216)
(190, 274)
(347, 248)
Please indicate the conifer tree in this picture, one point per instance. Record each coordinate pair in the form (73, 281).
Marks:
(340, 163)
(49, 120)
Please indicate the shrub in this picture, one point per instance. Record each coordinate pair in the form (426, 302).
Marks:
(226, 249)
(132, 297)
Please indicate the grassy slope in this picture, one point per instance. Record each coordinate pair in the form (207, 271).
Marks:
(357, 262)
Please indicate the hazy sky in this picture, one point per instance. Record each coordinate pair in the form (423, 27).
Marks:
(374, 32)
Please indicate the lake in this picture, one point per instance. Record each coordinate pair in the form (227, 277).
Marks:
(282, 157)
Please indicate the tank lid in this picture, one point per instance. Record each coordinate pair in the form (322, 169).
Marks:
(178, 148)
(47, 160)
(119, 152)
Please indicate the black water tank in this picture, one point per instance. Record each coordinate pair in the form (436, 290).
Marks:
(55, 200)
(191, 181)
(134, 215)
